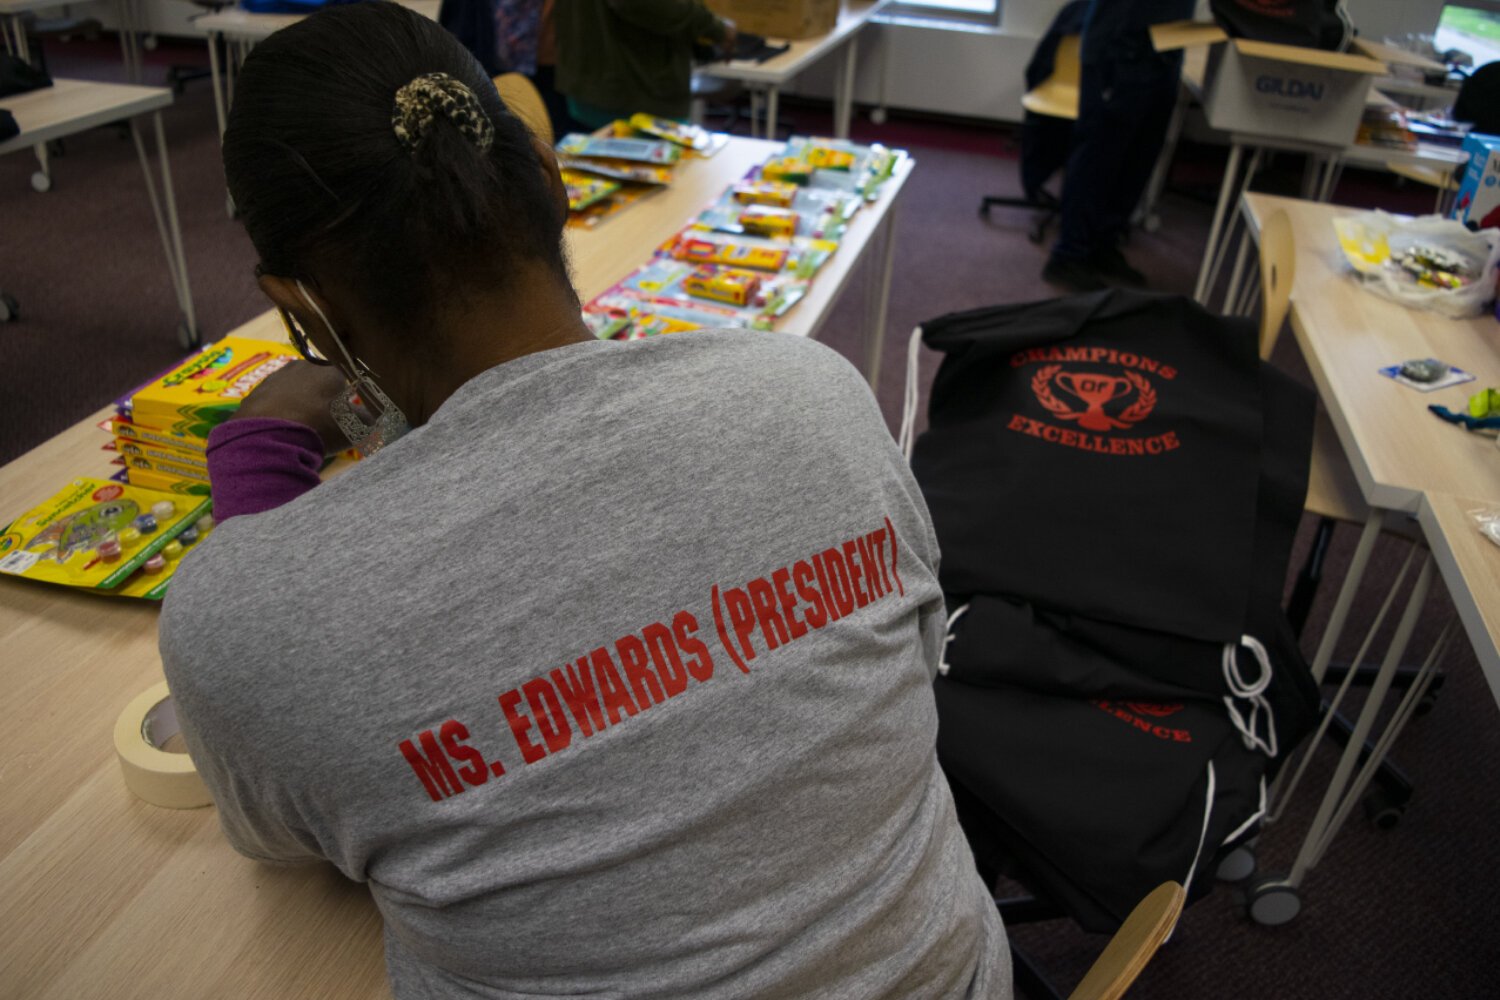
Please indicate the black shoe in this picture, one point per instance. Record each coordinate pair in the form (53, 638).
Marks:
(1074, 275)
(1111, 264)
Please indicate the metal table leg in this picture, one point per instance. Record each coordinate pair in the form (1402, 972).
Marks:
(843, 97)
(167, 225)
(878, 305)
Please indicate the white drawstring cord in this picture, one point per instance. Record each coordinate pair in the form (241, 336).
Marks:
(948, 637)
(1254, 693)
(1208, 809)
(909, 405)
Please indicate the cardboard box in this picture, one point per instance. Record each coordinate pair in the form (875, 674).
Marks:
(1478, 203)
(780, 18)
(1281, 91)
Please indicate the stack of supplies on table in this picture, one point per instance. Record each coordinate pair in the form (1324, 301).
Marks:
(752, 254)
(161, 429)
(626, 161)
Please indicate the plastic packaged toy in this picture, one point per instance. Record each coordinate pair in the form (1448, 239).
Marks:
(788, 170)
(620, 170)
(820, 214)
(95, 534)
(694, 137)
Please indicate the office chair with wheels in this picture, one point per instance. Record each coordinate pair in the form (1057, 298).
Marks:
(1051, 106)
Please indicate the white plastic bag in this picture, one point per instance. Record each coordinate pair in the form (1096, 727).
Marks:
(1376, 244)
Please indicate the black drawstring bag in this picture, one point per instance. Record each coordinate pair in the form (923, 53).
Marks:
(8, 127)
(1317, 24)
(17, 76)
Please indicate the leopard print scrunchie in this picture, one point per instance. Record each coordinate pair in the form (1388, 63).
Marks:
(420, 102)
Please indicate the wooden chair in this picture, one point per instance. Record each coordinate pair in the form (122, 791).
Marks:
(1054, 98)
(1145, 930)
(1334, 496)
(1057, 96)
(521, 96)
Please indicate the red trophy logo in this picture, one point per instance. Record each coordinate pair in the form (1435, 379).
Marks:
(1094, 390)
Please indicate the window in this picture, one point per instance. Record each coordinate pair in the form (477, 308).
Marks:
(1472, 27)
(986, 11)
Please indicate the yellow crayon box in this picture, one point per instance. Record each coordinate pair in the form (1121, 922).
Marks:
(95, 534)
(132, 450)
(166, 482)
(702, 251)
(125, 430)
(722, 284)
(205, 389)
(767, 220)
(778, 193)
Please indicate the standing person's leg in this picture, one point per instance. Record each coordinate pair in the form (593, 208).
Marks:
(1086, 183)
(1144, 100)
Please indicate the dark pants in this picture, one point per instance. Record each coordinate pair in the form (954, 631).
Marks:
(1124, 109)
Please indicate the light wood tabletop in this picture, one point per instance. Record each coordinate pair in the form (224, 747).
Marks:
(72, 106)
(1470, 565)
(106, 896)
(1397, 448)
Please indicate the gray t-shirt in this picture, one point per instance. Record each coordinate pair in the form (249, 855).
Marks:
(612, 680)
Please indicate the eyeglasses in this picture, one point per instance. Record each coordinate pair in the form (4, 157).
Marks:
(299, 340)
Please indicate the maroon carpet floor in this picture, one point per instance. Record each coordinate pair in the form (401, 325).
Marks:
(1390, 915)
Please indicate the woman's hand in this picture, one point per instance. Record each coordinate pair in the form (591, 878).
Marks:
(300, 392)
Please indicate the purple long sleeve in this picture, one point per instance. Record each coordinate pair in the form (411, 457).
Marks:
(259, 463)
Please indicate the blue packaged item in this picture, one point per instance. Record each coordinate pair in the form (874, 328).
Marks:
(1478, 203)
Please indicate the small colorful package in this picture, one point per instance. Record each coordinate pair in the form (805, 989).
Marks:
(666, 281)
(801, 258)
(765, 192)
(95, 534)
(636, 150)
(820, 214)
(695, 137)
(851, 167)
(584, 190)
(620, 170)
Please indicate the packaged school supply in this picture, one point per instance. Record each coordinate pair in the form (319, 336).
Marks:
(623, 317)
(201, 392)
(584, 190)
(695, 137)
(619, 170)
(636, 150)
(95, 534)
(841, 165)
(800, 258)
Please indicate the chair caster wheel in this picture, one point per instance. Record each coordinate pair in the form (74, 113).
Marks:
(877, 116)
(1238, 865)
(10, 309)
(1270, 902)
(187, 337)
(41, 182)
(1382, 810)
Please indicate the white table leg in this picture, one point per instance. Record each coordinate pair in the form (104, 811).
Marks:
(843, 95)
(168, 227)
(1230, 192)
(1145, 215)
(216, 81)
(880, 299)
(1323, 827)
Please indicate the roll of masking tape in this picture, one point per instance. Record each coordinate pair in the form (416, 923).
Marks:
(152, 771)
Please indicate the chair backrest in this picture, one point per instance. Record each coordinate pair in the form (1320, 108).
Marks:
(1127, 953)
(1278, 266)
(521, 96)
(1057, 96)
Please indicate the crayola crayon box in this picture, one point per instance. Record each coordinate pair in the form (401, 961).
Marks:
(202, 391)
(97, 534)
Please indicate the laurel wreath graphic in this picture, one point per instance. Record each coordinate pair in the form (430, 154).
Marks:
(1145, 398)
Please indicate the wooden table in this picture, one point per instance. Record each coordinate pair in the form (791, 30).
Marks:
(1406, 461)
(108, 897)
(72, 106)
(773, 74)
